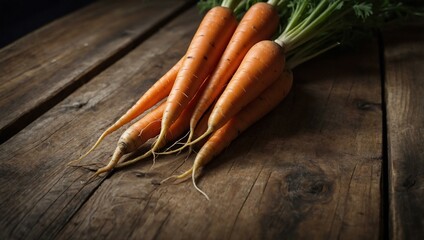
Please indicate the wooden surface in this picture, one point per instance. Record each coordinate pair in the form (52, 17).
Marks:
(404, 55)
(314, 168)
(43, 68)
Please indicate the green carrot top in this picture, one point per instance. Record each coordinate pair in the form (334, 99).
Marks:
(311, 27)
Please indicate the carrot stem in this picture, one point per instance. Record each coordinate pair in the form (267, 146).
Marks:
(231, 4)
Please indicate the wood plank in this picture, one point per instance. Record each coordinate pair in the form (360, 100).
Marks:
(309, 170)
(38, 193)
(404, 61)
(44, 67)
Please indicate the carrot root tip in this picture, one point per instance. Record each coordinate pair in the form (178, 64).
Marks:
(132, 161)
(90, 179)
(178, 150)
(104, 134)
(153, 161)
(173, 177)
(193, 177)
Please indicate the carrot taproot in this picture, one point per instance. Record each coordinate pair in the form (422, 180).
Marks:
(136, 135)
(250, 114)
(261, 66)
(176, 130)
(204, 51)
(259, 23)
(156, 93)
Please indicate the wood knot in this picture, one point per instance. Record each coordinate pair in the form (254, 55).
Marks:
(409, 182)
(367, 106)
(309, 186)
(74, 106)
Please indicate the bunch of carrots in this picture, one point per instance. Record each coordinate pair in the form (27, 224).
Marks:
(234, 72)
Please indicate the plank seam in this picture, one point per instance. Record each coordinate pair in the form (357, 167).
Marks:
(385, 181)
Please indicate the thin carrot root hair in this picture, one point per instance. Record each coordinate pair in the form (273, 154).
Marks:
(178, 178)
(132, 161)
(155, 155)
(117, 155)
(193, 177)
(178, 150)
(161, 140)
(190, 144)
(89, 151)
(77, 161)
(91, 178)
(209, 131)
(178, 142)
(168, 179)
(156, 145)
(186, 175)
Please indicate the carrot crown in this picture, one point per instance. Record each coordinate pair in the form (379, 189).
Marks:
(314, 26)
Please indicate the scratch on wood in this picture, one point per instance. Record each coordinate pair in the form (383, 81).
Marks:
(347, 193)
(321, 124)
(263, 190)
(161, 225)
(244, 201)
(335, 213)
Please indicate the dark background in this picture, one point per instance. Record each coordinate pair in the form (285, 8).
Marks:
(19, 17)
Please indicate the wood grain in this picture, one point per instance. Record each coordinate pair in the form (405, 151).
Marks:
(311, 169)
(404, 58)
(45, 66)
(38, 193)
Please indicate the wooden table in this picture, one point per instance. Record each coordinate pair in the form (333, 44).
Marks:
(341, 157)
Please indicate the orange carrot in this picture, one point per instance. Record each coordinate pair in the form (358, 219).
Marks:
(137, 134)
(202, 55)
(250, 114)
(156, 93)
(261, 66)
(177, 129)
(259, 23)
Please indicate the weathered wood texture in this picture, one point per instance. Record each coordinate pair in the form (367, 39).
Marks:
(38, 193)
(44, 67)
(404, 62)
(310, 169)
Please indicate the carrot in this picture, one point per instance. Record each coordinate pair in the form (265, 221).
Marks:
(137, 134)
(202, 55)
(156, 93)
(261, 66)
(258, 23)
(176, 130)
(313, 28)
(250, 114)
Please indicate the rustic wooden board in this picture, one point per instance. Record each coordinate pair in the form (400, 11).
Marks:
(311, 169)
(404, 58)
(44, 67)
(38, 193)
